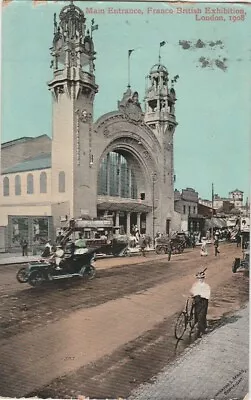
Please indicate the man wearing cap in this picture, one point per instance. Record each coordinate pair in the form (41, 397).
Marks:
(201, 292)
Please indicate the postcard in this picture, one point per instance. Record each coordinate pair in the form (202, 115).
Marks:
(124, 203)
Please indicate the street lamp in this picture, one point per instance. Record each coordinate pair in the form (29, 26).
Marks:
(154, 179)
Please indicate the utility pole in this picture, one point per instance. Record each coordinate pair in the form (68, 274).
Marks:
(212, 199)
(212, 232)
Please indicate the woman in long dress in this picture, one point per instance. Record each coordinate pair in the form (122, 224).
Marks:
(203, 249)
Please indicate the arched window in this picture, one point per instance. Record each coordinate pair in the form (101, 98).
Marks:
(116, 177)
(17, 185)
(30, 184)
(6, 186)
(43, 182)
(61, 182)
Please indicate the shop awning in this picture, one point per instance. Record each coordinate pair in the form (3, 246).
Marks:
(216, 223)
(124, 206)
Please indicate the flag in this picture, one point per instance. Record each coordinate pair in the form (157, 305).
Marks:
(162, 43)
(94, 27)
(130, 52)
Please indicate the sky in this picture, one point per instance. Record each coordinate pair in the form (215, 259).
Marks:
(212, 59)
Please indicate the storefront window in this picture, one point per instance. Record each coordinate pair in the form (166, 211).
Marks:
(40, 231)
(20, 230)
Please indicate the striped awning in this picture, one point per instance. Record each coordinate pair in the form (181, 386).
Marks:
(216, 223)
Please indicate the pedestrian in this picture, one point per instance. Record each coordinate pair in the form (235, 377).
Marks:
(216, 246)
(24, 245)
(59, 238)
(142, 245)
(47, 250)
(201, 293)
(80, 242)
(203, 249)
(193, 241)
(238, 239)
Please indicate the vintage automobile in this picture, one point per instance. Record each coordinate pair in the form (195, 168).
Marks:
(79, 264)
(166, 245)
(98, 233)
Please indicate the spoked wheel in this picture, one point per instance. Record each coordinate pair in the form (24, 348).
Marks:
(159, 250)
(192, 318)
(36, 278)
(88, 272)
(92, 272)
(22, 275)
(180, 326)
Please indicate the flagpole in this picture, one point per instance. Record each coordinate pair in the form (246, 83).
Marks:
(212, 199)
(129, 70)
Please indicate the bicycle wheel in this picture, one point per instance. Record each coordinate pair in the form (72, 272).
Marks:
(181, 325)
(192, 318)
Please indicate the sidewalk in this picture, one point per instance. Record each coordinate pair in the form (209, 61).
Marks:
(102, 263)
(214, 368)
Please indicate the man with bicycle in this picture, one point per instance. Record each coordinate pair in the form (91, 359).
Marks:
(201, 292)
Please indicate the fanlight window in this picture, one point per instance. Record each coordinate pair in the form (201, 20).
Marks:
(116, 177)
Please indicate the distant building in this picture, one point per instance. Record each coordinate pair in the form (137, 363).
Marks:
(237, 198)
(120, 164)
(186, 203)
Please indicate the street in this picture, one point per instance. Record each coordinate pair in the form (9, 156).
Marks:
(105, 337)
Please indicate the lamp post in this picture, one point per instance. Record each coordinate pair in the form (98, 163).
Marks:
(154, 178)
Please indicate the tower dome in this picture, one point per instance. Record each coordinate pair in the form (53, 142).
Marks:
(72, 22)
(158, 68)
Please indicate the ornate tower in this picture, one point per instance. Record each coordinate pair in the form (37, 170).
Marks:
(73, 90)
(160, 117)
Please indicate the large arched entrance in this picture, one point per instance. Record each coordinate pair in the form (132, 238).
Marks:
(123, 188)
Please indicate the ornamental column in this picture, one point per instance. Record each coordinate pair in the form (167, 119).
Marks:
(138, 222)
(117, 219)
(128, 223)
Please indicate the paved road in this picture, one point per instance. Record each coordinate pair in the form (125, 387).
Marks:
(66, 327)
(216, 367)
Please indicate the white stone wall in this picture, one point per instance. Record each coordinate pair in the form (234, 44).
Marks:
(25, 204)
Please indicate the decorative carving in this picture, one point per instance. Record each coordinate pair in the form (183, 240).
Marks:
(77, 139)
(106, 132)
(72, 21)
(171, 127)
(73, 59)
(146, 155)
(130, 106)
(84, 116)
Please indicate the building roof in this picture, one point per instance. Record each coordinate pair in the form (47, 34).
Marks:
(42, 161)
(21, 140)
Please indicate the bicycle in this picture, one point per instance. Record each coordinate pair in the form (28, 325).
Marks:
(185, 318)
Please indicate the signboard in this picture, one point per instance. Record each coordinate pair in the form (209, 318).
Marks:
(94, 223)
(245, 224)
